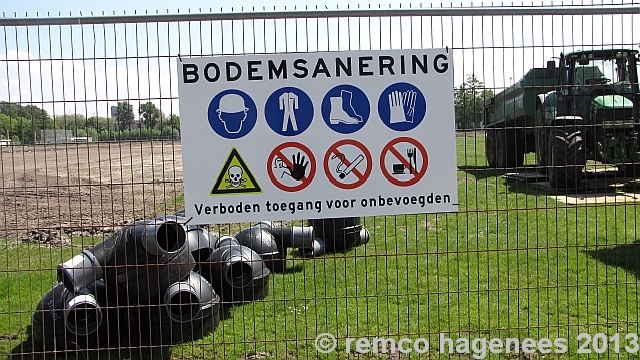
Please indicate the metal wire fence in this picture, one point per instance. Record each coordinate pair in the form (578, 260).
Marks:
(542, 259)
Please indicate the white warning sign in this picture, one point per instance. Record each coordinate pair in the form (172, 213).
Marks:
(372, 131)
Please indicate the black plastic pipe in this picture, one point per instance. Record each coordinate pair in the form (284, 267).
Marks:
(316, 249)
(236, 272)
(159, 245)
(201, 243)
(188, 311)
(64, 320)
(340, 234)
(270, 242)
(259, 239)
(291, 236)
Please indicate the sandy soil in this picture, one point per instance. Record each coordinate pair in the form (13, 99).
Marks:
(86, 187)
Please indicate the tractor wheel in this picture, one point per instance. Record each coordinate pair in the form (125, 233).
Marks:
(566, 157)
(631, 170)
(490, 147)
(541, 142)
(509, 148)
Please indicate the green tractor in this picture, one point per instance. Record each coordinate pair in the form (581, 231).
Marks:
(587, 107)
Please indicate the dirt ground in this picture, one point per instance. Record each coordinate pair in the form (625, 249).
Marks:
(80, 189)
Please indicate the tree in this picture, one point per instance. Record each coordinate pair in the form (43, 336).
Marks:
(71, 121)
(18, 127)
(37, 118)
(469, 101)
(149, 114)
(124, 115)
(173, 121)
(30, 112)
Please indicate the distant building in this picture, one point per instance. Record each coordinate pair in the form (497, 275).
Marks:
(5, 142)
(62, 137)
(114, 111)
(81, 139)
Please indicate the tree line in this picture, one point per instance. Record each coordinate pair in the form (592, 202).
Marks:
(23, 124)
(469, 101)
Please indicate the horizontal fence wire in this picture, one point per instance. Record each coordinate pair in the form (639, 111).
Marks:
(543, 250)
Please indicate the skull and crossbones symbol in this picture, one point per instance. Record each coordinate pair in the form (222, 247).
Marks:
(235, 179)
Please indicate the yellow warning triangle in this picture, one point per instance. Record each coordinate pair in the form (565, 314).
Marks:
(235, 177)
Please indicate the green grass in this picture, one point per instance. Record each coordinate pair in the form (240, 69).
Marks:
(512, 263)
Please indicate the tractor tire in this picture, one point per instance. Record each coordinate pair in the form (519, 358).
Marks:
(541, 142)
(490, 147)
(632, 170)
(509, 149)
(566, 158)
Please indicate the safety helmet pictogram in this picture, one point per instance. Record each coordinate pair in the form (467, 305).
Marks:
(232, 103)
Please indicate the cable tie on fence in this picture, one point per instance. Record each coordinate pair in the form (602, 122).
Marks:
(180, 58)
(187, 222)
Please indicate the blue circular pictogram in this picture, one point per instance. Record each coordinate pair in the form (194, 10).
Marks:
(288, 111)
(345, 109)
(232, 114)
(402, 106)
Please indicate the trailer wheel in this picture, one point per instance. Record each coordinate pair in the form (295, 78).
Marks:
(566, 157)
(541, 144)
(509, 148)
(490, 147)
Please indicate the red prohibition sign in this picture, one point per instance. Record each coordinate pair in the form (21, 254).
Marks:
(361, 177)
(405, 160)
(277, 152)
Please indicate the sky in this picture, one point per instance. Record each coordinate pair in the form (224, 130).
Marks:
(88, 69)
(75, 7)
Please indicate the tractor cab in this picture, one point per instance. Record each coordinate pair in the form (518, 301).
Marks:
(603, 85)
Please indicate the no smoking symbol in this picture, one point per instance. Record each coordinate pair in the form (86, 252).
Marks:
(404, 161)
(347, 164)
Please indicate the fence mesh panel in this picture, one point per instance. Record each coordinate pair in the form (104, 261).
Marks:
(542, 250)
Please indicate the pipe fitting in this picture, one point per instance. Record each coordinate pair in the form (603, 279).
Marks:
(271, 241)
(237, 273)
(201, 244)
(80, 271)
(317, 249)
(259, 239)
(190, 309)
(339, 234)
(67, 321)
(226, 240)
(363, 237)
(160, 244)
(293, 236)
(160, 238)
(82, 314)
